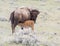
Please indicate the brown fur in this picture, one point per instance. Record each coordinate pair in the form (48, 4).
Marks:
(28, 23)
(20, 15)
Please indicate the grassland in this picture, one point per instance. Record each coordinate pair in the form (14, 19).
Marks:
(48, 19)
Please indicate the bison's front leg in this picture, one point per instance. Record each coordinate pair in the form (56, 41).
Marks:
(32, 26)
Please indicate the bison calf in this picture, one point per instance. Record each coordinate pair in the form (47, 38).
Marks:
(26, 24)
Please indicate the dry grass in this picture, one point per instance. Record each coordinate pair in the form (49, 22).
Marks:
(48, 20)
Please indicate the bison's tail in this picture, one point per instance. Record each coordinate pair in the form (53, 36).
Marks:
(12, 17)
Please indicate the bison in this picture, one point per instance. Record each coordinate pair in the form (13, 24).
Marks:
(20, 15)
(28, 23)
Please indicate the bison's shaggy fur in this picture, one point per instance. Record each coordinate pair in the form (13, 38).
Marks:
(20, 15)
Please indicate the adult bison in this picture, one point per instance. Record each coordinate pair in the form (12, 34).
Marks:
(20, 15)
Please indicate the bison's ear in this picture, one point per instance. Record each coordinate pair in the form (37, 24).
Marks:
(34, 12)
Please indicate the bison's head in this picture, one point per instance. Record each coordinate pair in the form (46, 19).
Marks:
(34, 13)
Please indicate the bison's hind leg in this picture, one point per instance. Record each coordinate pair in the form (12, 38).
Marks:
(13, 28)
